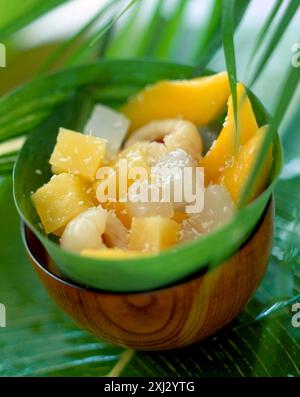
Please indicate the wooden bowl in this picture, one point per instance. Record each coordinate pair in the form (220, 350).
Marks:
(170, 317)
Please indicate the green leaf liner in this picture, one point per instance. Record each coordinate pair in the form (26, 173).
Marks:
(139, 274)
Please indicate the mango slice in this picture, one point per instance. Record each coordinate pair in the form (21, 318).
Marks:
(153, 234)
(63, 198)
(235, 176)
(78, 154)
(112, 253)
(223, 148)
(198, 100)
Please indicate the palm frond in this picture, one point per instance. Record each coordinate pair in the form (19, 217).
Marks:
(38, 9)
(275, 39)
(128, 32)
(212, 39)
(264, 30)
(289, 86)
(170, 28)
(228, 8)
(147, 38)
(88, 45)
(60, 52)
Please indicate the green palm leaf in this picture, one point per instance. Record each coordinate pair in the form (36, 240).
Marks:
(275, 39)
(30, 14)
(228, 9)
(68, 44)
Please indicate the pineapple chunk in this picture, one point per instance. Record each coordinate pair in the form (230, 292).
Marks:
(63, 198)
(134, 156)
(78, 154)
(153, 234)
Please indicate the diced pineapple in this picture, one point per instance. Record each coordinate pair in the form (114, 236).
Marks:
(153, 234)
(110, 253)
(78, 154)
(235, 176)
(136, 156)
(60, 200)
(132, 157)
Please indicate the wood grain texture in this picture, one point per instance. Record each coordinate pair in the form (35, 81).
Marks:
(168, 318)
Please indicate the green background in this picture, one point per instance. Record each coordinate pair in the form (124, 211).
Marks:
(40, 340)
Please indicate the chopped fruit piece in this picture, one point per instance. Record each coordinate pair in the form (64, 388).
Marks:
(60, 200)
(172, 173)
(78, 154)
(110, 125)
(223, 148)
(121, 211)
(236, 174)
(111, 254)
(85, 231)
(153, 234)
(179, 216)
(136, 155)
(198, 100)
(155, 150)
(116, 234)
(218, 209)
(138, 209)
(170, 135)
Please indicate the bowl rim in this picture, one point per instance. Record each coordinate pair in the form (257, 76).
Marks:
(25, 230)
(72, 284)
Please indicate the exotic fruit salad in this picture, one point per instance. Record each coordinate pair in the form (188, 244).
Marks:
(154, 174)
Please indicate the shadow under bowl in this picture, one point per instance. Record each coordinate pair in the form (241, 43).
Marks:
(170, 317)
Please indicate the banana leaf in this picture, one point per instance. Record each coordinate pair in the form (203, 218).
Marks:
(122, 275)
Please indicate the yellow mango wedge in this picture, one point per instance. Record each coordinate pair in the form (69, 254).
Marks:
(235, 176)
(198, 100)
(223, 148)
